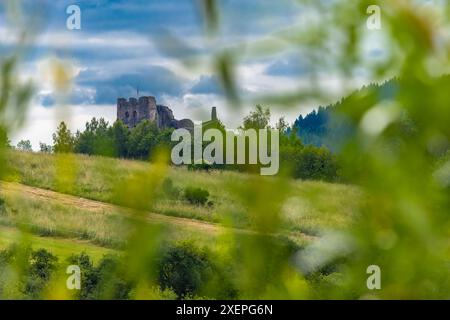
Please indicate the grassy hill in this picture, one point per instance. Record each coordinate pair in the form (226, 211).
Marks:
(89, 206)
(69, 204)
(309, 206)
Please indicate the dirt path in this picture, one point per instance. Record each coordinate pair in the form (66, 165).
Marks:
(92, 205)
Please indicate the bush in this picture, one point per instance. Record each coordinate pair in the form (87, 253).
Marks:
(169, 190)
(89, 278)
(37, 268)
(200, 166)
(41, 266)
(112, 281)
(196, 196)
(185, 269)
(2, 206)
(316, 164)
(106, 281)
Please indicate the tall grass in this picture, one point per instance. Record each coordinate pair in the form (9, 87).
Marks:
(310, 207)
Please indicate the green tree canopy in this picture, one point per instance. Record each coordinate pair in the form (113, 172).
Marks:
(24, 145)
(258, 119)
(63, 140)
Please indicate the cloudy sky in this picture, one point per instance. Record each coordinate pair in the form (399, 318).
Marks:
(124, 45)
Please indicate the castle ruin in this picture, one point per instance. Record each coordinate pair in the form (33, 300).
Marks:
(133, 111)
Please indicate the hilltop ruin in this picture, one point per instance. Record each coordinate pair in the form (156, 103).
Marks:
(135, 110)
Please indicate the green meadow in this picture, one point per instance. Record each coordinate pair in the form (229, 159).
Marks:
(310, 206)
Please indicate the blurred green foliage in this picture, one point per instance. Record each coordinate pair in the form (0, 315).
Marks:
(396, 156)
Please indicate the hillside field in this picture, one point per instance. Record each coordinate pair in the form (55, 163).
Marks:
(89, 212)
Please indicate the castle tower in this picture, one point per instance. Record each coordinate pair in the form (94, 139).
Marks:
(134, 110)
(214, 123)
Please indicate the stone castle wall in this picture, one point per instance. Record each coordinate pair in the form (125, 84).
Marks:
(132, 111)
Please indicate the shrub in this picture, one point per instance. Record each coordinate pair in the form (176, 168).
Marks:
(106, 281)
(169, 190)
(41, 266)
(89, 277)
(2, 206)
(37, 268)
(197, 196)
(184, 269)
(112, 282)
(200, 166)
(316, 164)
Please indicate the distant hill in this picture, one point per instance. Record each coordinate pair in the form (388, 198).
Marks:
(325, 127)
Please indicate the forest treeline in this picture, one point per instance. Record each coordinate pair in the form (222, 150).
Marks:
(142, 142)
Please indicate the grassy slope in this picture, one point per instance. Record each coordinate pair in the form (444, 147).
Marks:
(47, 213)
(65, 225)
(63, 248)
(311, 207)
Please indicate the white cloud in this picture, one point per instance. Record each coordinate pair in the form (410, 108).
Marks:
(138, 51)
(41, 122)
